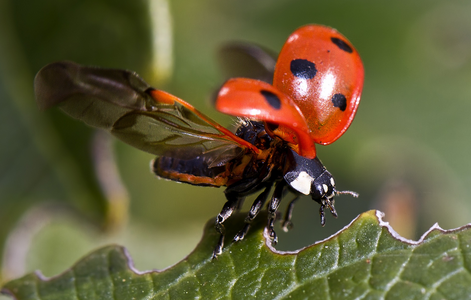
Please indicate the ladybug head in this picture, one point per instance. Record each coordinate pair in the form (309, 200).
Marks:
(310, 177)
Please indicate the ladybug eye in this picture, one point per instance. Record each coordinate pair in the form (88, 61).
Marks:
(303, 68)
(341, 44)
(340, 101)
(316, 191)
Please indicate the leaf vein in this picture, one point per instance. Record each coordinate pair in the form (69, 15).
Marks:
(434, 286)
(232, 283)
(337, 261)
(362, 296)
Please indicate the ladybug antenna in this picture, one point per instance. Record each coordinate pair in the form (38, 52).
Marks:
(354, 194)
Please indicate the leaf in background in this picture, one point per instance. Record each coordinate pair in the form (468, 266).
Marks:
(46, 157)
(366, 260)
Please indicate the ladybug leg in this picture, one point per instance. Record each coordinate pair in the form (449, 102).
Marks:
(235, 195)
(331, 205)
(254, 211)
(287, 224)
(327, 204)
(229, 207)
(272, 208)
(240, 204)
(322, 215)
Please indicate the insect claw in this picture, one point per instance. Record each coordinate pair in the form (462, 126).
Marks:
(273, 237)
(218, 249)
(241, 234)
(238, 237)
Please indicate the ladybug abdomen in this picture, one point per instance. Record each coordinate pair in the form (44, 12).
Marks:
(194, 171)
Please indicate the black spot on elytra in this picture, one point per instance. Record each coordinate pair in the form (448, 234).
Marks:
(341, 44)
(340, 101)
(303, 68)
(272, 99)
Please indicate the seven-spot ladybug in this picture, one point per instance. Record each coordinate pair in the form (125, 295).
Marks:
(315, 93)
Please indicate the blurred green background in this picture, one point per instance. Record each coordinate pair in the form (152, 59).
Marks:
(406, 153)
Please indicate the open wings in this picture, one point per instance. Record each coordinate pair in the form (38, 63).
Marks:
(148, 119)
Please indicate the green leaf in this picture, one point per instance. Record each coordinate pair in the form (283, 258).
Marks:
(366, 260)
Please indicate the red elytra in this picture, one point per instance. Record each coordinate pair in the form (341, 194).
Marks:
(338, 75)
(322, 74)
(256, 99)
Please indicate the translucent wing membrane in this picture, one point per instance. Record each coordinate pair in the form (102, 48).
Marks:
(122, 103)
(247, 60)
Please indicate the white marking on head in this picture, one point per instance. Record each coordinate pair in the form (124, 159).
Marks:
(325, 187)
(302, 183)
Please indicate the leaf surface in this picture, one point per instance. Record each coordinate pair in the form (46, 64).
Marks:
(366, 260)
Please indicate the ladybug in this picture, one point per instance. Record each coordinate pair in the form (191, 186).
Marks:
(312, 99)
